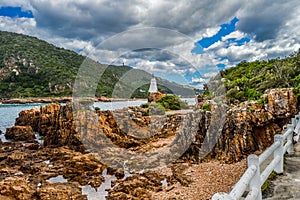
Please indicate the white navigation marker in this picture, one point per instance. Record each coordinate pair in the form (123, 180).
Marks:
(153, 85)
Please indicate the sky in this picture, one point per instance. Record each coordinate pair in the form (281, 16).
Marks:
(185, 41)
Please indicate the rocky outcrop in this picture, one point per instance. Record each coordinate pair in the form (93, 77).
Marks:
(63, 191)
(24, 173)
(248, 127)
(138, 186)
(36, 100)
(281, 103)
(153, 97)
(15, 188)
(55, 123)
(20, 133)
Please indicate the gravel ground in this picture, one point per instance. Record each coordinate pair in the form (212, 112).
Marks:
(206, 180)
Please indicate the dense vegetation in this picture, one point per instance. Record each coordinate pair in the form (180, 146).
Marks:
(167, 102)
(249, 80)
(30, 67)
(172, 102)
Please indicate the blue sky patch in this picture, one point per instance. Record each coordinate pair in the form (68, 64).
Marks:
(15, 12)
(221, 66)
(240, 42)
(226, 29)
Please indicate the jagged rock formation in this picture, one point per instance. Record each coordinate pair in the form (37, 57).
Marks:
(249, 127)
(24, 172)
(20, 133)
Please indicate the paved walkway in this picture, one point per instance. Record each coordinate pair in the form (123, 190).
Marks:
(287, 186)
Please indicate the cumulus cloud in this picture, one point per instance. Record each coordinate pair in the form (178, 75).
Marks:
(236, 34)
(210, 74)
(18, 25)
(116, 31)
(198, 80)
(25, 5)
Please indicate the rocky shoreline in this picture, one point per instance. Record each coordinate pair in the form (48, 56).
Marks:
(26, 165)
(55, 100)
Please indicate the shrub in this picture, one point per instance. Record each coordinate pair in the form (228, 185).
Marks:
(172, 102)
(97, 109)
(154, 109)
(145, 105)
(206, 106)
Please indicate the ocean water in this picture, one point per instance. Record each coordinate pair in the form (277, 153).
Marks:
(9, 113)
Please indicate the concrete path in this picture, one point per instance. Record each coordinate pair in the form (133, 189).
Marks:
(287, 185)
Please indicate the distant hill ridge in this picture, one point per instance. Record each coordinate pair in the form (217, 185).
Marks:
(30, 67)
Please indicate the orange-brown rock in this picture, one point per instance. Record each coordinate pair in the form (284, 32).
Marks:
(281, 103)
(61, 191)
(249, 127)
(16, 188)
(153, 97)
(20, 133)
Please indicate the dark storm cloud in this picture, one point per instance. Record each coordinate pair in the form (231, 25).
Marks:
(86, 20)
(265, 18)
(96, 20)
(150, 54)
(92, 19)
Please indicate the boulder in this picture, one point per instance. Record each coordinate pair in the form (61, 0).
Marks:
(20, 133)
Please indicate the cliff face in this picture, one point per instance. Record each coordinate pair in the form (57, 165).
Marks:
(249, 127)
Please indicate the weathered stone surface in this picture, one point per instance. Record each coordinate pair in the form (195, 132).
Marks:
(22, 163)
(16, 188)
(29, 118)
(248, 128)
(20, 133)
(282, 103)
(153, 97)
(138, 186)
(61, 191)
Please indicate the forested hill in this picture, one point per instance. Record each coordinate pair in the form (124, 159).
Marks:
(30, 67)
(249, 80)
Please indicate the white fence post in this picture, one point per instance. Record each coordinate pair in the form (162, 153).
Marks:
(290, 149)
(279, 152)
(297, 127)
(255, 182)
(221, 196)
(252, 176)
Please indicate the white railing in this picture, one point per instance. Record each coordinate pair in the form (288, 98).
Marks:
(253, 179)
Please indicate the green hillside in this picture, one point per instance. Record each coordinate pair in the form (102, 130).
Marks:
(249, 80)
(30, 67)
